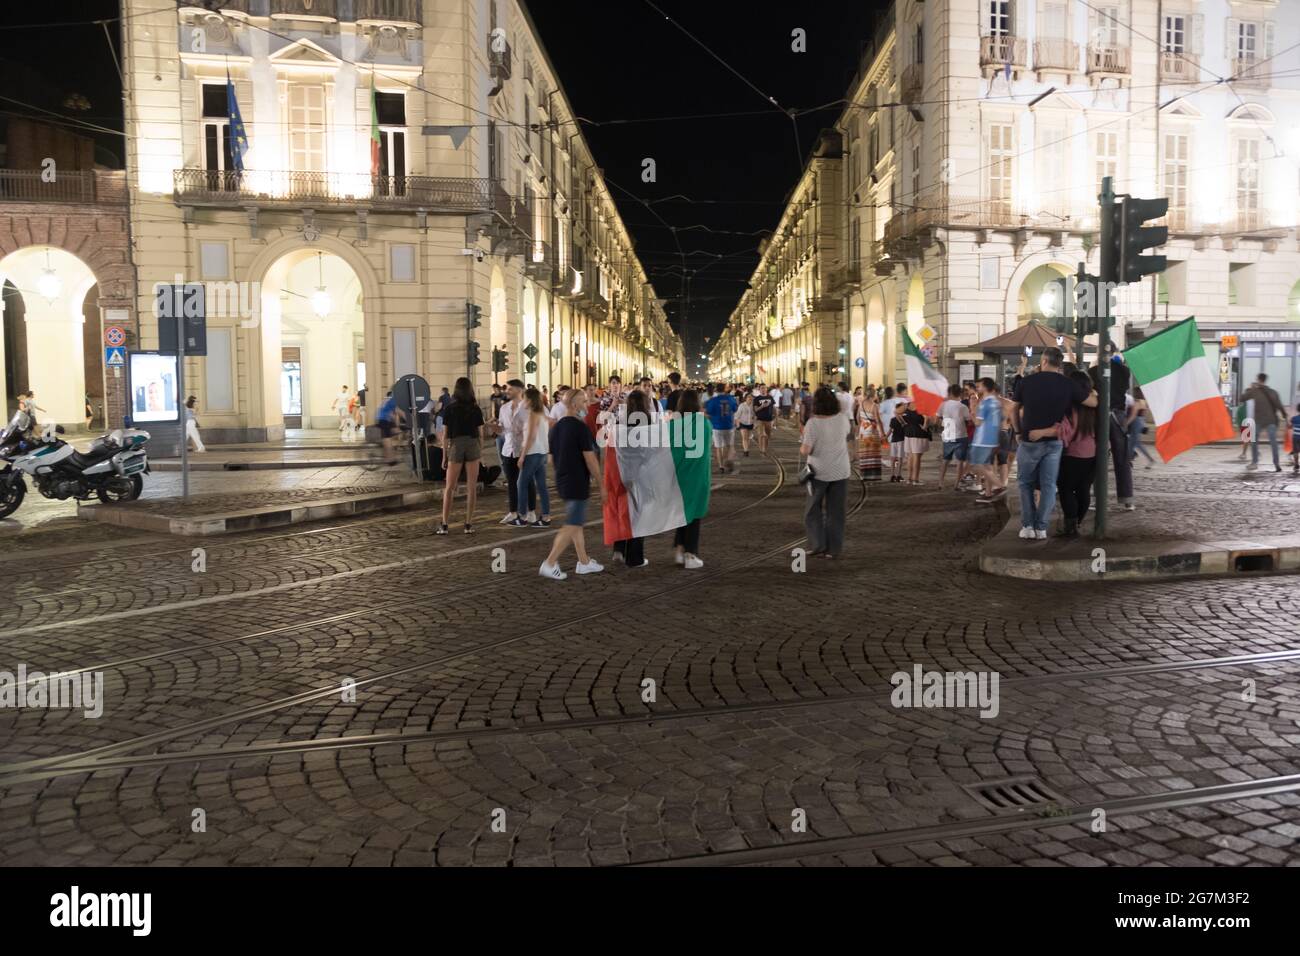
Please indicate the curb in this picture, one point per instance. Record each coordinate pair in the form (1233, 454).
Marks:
(1085, 560)
(275, 516)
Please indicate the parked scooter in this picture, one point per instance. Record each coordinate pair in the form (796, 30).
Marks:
(112, 469)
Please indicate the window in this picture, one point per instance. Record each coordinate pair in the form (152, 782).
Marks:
(1174, 35)
(873, 152)
(1107, 26)
(1053, 167)
(218, 159)
(918, 45)
(307, 128)
(999, 166)
(1175, 177)
(1055, 22)
(1106, 157)
(1247, 39)
(997, 18)
(402, 262)
(1247, 157)
(915, 198)
(496, 171)
(214, 260)
(855, 241)
(390, 111)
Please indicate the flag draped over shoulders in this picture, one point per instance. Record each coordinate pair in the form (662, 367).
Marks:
(692, 441)
(641, 493)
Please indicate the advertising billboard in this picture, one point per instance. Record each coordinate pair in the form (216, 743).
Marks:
(153, 387)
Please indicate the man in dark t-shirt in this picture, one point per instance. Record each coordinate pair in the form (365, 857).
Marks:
(675, 380)
(1041, 400)
(573, 457)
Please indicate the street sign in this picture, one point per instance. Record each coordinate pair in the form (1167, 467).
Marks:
(1229, 341)
(530, 350)
(555, 354)
(172, 302)
(115, 335)
(402, 393)
(530, 367)
(860, 362)
(114, 356)
(926, 333)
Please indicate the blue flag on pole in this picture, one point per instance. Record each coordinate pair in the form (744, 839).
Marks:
(238, 138)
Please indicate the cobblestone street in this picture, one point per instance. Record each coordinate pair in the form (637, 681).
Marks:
(503, 719)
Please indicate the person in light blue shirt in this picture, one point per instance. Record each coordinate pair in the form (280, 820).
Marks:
(988, 426)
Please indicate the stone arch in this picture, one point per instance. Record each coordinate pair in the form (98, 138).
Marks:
(1016, 285)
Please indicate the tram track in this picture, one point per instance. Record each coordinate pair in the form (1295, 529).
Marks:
(407, 738)
(282, 703)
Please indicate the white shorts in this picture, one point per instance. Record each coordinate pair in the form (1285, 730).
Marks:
(724, 437)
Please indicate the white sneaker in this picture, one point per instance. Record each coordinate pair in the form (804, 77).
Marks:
(679, 558)
(1040, 535)
(509, 519)
(530, 517)
(692, 563)
(553, 571)
(1026, 532)
(590, 567)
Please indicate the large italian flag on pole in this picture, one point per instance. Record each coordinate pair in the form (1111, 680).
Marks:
(1180, 389)
(929, 388)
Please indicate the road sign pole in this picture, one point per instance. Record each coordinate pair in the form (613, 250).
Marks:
(416, 438)
(1101, 300)
(180, 404)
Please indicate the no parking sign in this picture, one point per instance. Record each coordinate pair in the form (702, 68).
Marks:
(115, 336)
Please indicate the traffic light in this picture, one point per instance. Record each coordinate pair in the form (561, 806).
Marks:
(1057, 304)
(500, 360)
(473, 315)
(1136, 238)
(472, 358)
(1124, 238)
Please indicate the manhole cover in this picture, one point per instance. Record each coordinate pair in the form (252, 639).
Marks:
(1015, 793)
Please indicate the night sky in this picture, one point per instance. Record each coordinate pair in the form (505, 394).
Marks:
(635, 77)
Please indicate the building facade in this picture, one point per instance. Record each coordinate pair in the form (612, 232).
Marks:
(414, 185)
(975, 140)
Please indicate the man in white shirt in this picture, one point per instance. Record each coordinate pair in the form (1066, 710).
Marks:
(510, 426)
(845, 398)
(956, 437)
(558, 409)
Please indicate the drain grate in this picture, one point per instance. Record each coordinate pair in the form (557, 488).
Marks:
(1015, 793)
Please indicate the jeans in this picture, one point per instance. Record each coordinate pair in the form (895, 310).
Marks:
(1135, 443)
(511, 468)
(687, 538)
(1272, 440)
(1120, 459)
(534, 471)
(1038, 462)
(824, 517)
(633, 551)
(1075, 486)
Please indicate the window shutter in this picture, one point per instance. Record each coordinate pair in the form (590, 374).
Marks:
(1230, 39)
(1268, 39)
(1196, 42)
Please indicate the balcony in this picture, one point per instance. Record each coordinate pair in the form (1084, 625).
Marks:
(305, 9)
(1001, 50)
(1179, 67)
(1107, 60)
(1056, 55)
(499, 58)
(292, 189)
(538, 262)
(27, 185)
(912, 83)
(1253, 222)
(395, 12)
(1252, 71)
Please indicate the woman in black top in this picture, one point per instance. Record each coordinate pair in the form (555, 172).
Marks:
(916, 439)
(462, 445)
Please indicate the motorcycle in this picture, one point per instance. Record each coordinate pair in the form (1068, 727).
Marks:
(112, 469)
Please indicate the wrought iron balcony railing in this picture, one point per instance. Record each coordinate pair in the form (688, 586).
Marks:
(306, 9)
(1056, 54)
(207, 187)
(1104, 58)
(29, 185)
(1184, 67)
(402, 12)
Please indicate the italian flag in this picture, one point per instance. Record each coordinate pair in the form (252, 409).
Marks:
(374, 131)
(1180, 389)
(928, 388)
(656, 477)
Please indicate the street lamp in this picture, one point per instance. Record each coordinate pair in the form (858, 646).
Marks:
(49, 285)
(320, 299)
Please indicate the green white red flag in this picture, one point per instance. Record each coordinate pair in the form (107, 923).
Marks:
(1180, 389)
(928, 387)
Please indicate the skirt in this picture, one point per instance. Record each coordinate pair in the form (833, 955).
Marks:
(869, 446)
(916, 446)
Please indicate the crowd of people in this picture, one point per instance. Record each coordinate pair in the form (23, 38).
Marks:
(1045, 427)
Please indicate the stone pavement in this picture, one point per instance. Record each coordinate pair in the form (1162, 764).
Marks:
(502, 719)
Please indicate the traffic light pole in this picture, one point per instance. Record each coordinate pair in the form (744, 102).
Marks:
(1101, 306)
